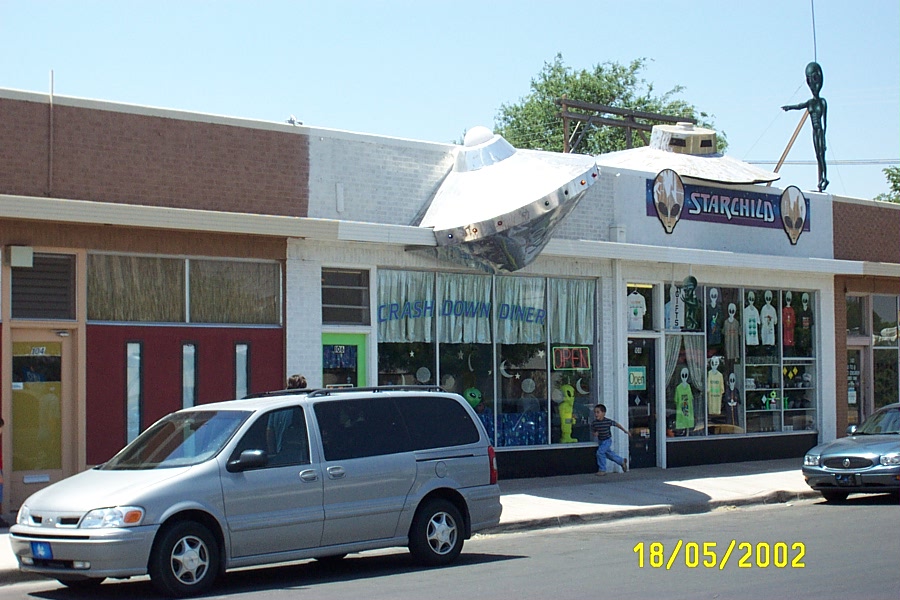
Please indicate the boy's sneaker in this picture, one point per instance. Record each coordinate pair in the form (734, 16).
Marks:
(600, 473)
(624, 465)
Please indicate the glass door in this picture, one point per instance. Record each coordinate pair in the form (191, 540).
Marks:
(855, 388)
(343, 360)
(642, 402)
(43, 420)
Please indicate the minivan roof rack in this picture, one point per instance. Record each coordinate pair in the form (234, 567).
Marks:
(319, 392)
(378, 388)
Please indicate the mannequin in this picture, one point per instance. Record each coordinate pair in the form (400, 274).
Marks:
(715, 389)
(788, 320)
(714, 318)
(684, 403)
(751, 321)
(768, 320)
(731, 330)
(566, 419)
(732, 401)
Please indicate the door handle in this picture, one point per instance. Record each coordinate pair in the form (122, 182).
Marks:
(309, 475)
(336, 472)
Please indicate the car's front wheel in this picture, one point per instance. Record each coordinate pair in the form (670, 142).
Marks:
(834, 495)
(436, 534)
(185, 560)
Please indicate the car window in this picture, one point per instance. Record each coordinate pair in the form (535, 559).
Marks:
(360, 428)
(437, 422)
(885, 421)
(178, 440)
(281, 434)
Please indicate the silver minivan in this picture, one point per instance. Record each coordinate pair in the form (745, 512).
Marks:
(281, 477)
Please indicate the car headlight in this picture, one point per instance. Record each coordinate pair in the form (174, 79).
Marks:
(24, 516)
(891, 460)
(118, 516)
(811, 460)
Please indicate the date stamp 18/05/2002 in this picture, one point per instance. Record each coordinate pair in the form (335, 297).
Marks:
(710, 555)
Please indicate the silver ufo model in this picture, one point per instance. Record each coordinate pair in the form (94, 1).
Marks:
(691, 152)
(498, 206)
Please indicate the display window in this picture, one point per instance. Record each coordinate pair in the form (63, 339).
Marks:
(750, 369)
(518, 349)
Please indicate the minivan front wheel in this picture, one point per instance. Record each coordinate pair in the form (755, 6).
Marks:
(436, 534)
(185, 560)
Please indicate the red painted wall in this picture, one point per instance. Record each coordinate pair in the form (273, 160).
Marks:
(161, 348)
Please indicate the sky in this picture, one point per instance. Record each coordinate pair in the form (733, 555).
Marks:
(429, 70)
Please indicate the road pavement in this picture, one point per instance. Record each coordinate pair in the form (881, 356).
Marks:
(536, 503)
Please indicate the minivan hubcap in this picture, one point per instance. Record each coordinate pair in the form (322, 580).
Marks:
(190, 560)
(441, 533)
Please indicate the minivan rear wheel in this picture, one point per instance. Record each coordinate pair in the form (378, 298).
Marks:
(184, 560)
(436, 534)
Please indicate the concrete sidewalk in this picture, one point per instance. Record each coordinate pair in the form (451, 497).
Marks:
(569, 500)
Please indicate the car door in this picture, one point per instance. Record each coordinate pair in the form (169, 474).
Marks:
(368, 468)
(277, 507)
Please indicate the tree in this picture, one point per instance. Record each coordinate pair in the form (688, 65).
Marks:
(893, 177)
(535, 123)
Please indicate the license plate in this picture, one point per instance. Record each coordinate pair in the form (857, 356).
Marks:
(41, 550)
(847, 480)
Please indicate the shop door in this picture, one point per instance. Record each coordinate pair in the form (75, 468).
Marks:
(43, 415)
(855, 389)
(642, 402)
(343, 360)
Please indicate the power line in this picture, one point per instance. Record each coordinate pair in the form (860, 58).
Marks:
(853, 162)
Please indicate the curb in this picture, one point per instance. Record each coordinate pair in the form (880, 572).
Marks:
(776, 497)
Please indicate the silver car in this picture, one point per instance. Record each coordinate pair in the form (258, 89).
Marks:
(866, 461)
(289, 476)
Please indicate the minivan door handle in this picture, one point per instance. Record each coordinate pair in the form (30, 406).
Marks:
(309, 475)
(336, 472)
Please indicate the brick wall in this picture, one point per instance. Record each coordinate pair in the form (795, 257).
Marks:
(132, 158)
(867, 231)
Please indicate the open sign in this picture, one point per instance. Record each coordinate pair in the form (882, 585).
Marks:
(571, 358)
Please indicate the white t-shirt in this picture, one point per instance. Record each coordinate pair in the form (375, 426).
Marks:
(637, 308)
(768, 320)
(751, 325)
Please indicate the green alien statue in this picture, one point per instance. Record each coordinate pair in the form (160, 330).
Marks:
(818, 113)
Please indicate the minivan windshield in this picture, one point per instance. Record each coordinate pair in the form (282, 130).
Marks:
(884, 421)
(179, 440)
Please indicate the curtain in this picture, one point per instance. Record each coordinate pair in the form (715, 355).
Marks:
(464, 303)
(696, 360)
(406, 306)
(521, 310)
(571, 311)
(673, 348)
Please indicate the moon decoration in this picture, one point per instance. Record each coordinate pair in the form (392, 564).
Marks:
(528, 385)
(423, 375)
(580, 389)
(503, 370)
(403, 379)
(448, 383)
(471, 368)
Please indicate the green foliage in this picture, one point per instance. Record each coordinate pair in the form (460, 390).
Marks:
(893, 178)
(534, 121)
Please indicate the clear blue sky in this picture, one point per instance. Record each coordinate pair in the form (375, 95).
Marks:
(430, 70)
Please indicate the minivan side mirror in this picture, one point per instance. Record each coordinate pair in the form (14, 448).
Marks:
(249, 459)
(851, 429)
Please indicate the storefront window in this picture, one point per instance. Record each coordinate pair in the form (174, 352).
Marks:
(751, 370)
(884, 320)
(405, 328)
(886, 376)
(639, 303)
(856, 321)
(571, 316)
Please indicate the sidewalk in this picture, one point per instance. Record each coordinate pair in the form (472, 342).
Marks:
(567, 500)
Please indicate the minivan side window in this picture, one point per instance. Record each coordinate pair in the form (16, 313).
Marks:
(281, 434)
(437, 422)
(360, 428)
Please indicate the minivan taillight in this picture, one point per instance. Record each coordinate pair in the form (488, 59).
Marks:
(492, 458)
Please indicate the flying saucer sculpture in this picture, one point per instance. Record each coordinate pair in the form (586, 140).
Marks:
(691, 152)
(498, 206)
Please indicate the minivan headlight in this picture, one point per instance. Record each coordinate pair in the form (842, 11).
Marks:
(118, 516)
(24, 515)
(811, 460)
(891, 460)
